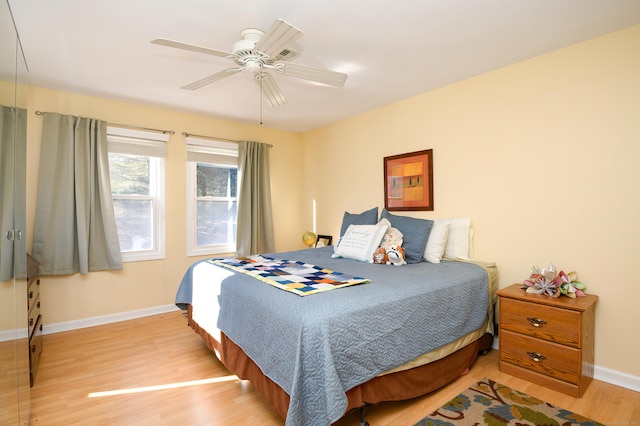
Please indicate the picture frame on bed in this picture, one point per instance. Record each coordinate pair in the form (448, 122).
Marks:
(408, 181)
(324, 240)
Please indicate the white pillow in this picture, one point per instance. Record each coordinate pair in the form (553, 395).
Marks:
(437, 241)
(359, 242)
(458, 240)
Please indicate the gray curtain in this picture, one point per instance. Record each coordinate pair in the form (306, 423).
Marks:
(13, 151)
(75, 226)
(7, 176)
(255, 220)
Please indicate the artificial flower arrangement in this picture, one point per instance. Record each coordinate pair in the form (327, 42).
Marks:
(547, 282)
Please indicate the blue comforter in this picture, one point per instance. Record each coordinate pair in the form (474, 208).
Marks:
(318, 347)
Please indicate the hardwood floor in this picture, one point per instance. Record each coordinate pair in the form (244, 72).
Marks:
(157, 371)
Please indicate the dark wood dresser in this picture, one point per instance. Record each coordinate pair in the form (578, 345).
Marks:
(35, 317)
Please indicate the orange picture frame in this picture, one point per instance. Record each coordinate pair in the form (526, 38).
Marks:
(408, 181)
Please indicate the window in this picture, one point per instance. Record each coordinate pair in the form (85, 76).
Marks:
(136, 168)
(212, 196)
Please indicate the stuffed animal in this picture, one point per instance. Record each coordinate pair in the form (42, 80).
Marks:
(392, 236)
(380, 256)
(395, 255)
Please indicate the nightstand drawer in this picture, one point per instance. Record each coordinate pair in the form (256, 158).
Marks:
(544, 322)
(544, 357)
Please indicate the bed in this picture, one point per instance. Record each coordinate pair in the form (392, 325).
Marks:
(408, 331)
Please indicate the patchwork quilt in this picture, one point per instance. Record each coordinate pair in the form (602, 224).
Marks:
(296, 277)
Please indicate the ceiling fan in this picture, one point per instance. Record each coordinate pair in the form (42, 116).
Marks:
(262, 53)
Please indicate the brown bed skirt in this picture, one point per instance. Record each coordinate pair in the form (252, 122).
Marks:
(396, 386)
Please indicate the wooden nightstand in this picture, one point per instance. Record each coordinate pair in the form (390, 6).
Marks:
(546, 340)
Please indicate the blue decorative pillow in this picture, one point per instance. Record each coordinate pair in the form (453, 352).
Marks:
(370, 217)
(415, 233)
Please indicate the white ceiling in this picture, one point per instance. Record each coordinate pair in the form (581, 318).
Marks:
(391, 50)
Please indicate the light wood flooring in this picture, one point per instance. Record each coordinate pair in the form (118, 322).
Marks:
(157, 371)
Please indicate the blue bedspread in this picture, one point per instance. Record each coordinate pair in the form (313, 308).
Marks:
(318, 347)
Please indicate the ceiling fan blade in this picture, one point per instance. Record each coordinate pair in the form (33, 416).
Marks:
(277, 37)
(270, 89)
(332, 78)
(191, 47)
(212, 78)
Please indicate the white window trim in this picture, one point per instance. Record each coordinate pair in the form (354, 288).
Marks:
(135, 142)
(204, 151)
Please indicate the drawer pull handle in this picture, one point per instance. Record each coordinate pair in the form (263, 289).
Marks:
(535, 356)
(31, 321)
(536, 322)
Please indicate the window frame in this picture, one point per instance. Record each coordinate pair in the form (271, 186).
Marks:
(211, 152)
(152, 145)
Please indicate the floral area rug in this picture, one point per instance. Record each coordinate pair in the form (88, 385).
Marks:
(490, 403)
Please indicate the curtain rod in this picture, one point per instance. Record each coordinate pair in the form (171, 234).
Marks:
(185, 134)
(127, 126)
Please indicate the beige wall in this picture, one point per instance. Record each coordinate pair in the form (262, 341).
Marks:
(542, 155)
(150, 284)
(7, 92)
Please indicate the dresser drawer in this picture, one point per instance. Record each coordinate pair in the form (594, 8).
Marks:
(35, 349)
(34, 313)
(33, 290)
(551, 359)
(544, 322)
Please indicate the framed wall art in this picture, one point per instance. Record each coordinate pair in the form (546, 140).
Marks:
(408, 181)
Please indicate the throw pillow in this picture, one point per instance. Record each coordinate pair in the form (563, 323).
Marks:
(437, 241)
(369, 217)
(359, 242)
(458, 240)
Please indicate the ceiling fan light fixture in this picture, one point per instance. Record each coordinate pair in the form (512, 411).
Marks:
(254, 66)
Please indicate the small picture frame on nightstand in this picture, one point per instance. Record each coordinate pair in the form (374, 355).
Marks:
(324, 240)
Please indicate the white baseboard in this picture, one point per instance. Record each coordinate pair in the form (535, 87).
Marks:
(88, 322)
(7, 335)
(617, 378)
(603, 374)
(106, 319)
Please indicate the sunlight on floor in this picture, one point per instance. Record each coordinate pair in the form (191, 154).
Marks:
(161, 387)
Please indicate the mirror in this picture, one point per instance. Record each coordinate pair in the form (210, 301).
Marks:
(20, 245)
(14, 350)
